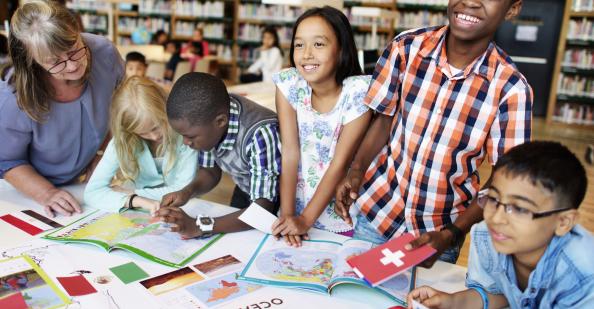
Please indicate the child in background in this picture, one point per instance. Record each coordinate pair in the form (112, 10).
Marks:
(192, 51)
(529, 252)
(144, 150)
(196, 49)
(270, 60)
(135, 64)
(231, 134)
(160, 38)
(322, 119)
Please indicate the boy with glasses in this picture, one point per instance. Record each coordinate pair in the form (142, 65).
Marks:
(529, 252)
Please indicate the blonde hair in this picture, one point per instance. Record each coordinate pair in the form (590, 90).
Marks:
(135, 102)
(39, 29)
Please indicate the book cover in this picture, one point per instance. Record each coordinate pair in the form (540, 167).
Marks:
(135, 231)
(388, 260)
(26, 285)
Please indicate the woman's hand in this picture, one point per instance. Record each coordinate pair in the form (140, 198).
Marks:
(60, 201)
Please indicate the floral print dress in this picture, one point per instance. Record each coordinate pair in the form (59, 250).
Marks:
(318, 135)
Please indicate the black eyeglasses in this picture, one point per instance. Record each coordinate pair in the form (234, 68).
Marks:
(74, 56)
(490, 204)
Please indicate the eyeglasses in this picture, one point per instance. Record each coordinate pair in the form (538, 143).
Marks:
(74, 56)
(490, 204)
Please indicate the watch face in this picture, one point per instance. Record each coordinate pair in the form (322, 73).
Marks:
(205, 221)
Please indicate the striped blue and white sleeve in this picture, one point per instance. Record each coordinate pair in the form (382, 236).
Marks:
(264, 155)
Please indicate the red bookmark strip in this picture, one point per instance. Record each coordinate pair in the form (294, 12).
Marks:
(22, 225)
(76, 285)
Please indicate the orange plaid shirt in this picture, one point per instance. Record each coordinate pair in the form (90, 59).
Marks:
(443, 127)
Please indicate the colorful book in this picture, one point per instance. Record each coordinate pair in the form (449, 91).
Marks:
(25, 285)
(384, 262)
(135, 231)
(318, 265)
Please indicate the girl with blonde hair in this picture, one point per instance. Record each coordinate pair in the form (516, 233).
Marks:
(54, 103)
(150, 157)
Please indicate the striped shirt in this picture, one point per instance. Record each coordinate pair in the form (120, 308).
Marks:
(263, 153)
(443, 127)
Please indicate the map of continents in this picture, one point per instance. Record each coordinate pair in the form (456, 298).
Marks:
(298, 265)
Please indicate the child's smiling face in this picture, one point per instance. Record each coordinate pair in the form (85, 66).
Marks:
(315, 50)
(472, 20)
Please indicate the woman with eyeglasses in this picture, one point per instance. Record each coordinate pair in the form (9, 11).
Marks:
(54, 103)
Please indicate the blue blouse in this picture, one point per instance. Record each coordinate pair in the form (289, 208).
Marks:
(63, 145)
(151, 182)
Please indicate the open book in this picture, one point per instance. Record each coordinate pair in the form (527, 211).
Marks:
(135, 231)
(26, 285)
(318, 265)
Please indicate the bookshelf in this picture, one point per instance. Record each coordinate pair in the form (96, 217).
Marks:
(233, 27)
(571, 101)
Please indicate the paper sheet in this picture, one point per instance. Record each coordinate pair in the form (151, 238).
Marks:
(259, 218)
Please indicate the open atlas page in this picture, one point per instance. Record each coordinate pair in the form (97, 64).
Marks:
(135, 231)
(318, 265)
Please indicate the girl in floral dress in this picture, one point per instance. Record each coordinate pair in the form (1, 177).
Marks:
(322, 119)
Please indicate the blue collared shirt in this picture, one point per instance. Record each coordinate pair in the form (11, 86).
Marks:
(563, 278)
(62, 146)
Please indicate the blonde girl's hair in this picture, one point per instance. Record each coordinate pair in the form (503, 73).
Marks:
(137, 101)
(39, 29)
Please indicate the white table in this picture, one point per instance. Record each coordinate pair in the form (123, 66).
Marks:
(61, 259)
(259, 92)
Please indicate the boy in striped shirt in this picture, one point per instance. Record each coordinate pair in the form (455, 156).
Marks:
(231, 134)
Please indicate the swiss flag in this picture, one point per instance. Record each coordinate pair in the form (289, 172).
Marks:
(388, 260)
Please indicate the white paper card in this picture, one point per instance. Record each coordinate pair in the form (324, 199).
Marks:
(418, 305)
(259, 218)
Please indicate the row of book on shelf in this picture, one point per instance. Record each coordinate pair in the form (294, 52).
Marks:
(581, 29)
(197, 8)
(574, 113)
(576, 85)
(200, 9)
(579, 58)
(583, 5)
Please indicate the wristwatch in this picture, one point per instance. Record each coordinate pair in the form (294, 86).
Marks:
(457, 234)
(205, 224)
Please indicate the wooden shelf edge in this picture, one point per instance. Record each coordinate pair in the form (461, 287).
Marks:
(589, 14)
(561, 124)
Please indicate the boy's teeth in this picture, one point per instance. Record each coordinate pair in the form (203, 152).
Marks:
(469, 18)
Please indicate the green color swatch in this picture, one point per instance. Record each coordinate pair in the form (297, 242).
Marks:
(129, 272)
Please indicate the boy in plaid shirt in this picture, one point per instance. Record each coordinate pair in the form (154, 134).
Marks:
(444, 99)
